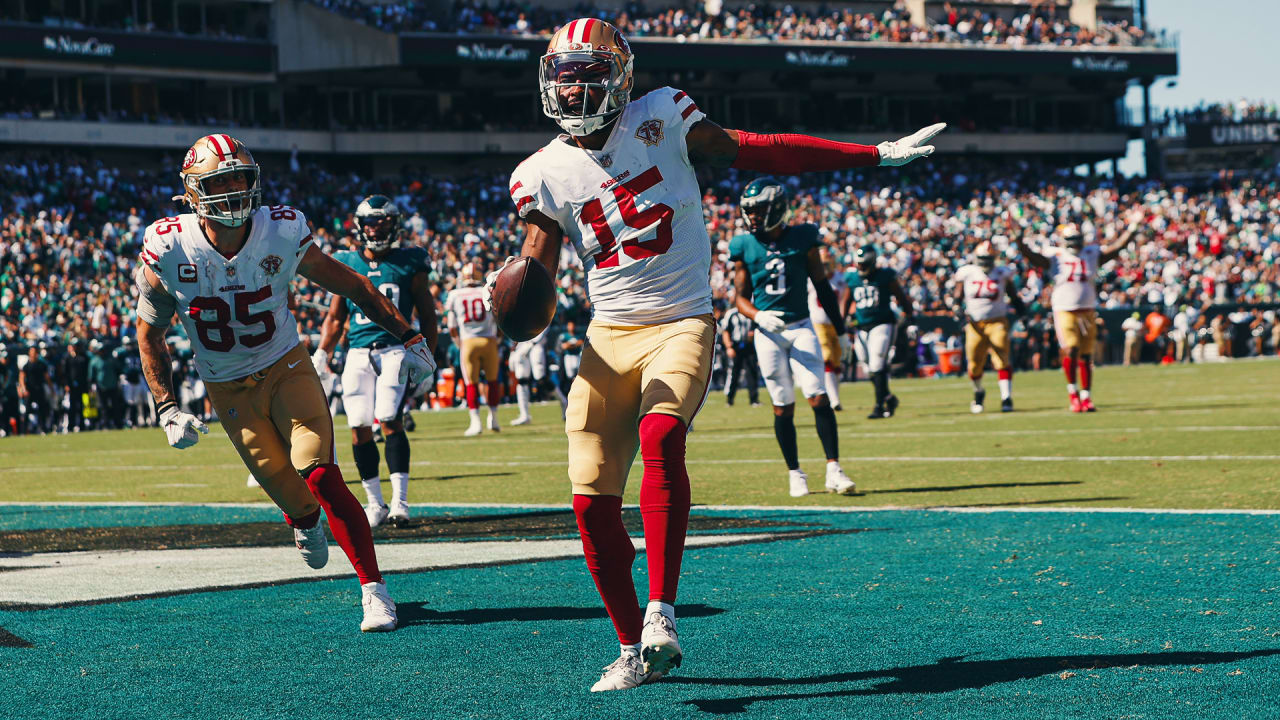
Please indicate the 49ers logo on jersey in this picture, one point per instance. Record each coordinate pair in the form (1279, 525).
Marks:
(270, 265)
(650, 132)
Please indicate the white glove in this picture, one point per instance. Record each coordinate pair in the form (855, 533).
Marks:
(418, 364)
(901, 152)
(770, 321)
(180, 428)
(490, 279)
(320, 360)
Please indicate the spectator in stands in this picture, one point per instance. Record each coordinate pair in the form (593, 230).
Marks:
(1132, 327)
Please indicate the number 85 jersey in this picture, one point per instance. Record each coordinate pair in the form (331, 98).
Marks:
(633, 211)
(235, 310)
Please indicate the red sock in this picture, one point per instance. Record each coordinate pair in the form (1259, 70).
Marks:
(1005, 374)
(1069, 368)
(609, 555)
(828, 367)
(495, 394)
(347, 521)
(306, 522)
(473, 397)
(1086, 373)
(664, 501)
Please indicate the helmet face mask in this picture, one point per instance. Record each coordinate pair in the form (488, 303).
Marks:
(764, 204)
(865, 259)
(378, 223)
(221, 181)
(984, 257)
(585, 77)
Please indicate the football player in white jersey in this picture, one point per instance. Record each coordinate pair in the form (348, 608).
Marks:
(476, 335)
(833, 343)
(982, 287)
(1072, 266)
(528, 362)
(225, 269)
(619, 185)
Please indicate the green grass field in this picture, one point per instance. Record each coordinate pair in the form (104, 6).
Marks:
(1191, 436)
(1041, 581)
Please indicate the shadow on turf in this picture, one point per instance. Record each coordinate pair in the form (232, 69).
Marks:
(950, 488)
(420, 478)
(950, 674)
(417, 614)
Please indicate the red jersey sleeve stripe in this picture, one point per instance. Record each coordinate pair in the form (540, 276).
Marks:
(516, 187)
(688, 111)
(523, 201)
(305, 240)
(679, 96)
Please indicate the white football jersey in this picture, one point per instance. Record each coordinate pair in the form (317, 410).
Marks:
(1073, 276)
(235, 310)
(467, 314)
(984, 296)
(633, 211)
(816, 313)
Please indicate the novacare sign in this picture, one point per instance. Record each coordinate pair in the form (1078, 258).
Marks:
(91, 47)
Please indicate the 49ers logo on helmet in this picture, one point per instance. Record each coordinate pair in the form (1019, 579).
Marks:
(650, 132)
(190, 159)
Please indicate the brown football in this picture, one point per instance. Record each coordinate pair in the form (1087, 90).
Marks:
(524, 299)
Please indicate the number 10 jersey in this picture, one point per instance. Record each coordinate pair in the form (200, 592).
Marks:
(632, 210)
(235, 310)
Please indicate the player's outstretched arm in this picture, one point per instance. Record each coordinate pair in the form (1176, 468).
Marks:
(1112, 251)
(826, 296)
(1034, 258)
(791, 153)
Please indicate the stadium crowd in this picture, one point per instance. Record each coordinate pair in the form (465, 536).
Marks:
(1020, 25)
(70, 231)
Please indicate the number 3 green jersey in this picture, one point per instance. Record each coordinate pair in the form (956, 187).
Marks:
(392, 275)
(779, 270)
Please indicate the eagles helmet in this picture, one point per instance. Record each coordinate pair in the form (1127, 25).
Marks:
(865, 258)
(765, 204)
(593, 55)
(378, 223)
(984, 256)
(213, 156)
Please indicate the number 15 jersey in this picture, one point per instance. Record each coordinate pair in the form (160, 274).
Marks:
(632, 210)
(235, 310)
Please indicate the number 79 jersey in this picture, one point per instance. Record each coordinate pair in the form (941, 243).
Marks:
(632, 210)
(235, 310)
(392, 275)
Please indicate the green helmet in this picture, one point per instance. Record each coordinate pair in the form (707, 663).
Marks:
(865, 259)
(378, 223)
(765, 204)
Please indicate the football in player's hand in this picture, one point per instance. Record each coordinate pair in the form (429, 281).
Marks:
(524, 299)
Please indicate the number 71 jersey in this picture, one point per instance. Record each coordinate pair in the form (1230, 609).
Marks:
(235, 310)
(633, 211)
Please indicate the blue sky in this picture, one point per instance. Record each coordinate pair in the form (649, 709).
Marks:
(1228, 50)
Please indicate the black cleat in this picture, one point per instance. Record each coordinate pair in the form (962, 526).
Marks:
(1006, 405)
(890, 405)
(409, 424)
(877, 413)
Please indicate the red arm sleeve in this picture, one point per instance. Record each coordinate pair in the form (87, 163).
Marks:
(790, 154)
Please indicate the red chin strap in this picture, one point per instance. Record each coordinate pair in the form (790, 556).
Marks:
(791, 154)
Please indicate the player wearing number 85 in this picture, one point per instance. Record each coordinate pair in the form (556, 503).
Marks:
(619, 185)
(225, 270)
(371, 383)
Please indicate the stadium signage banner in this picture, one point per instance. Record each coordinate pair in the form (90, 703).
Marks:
(157, 50)
(441, 49)
(1223, 134)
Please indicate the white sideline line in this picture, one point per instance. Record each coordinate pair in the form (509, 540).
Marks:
(756, 461)
(971, 433)
(714, 508)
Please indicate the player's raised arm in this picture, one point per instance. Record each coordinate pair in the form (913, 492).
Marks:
(339, 279)
(1112, 251)
(792, 153)
(1034, 258)
(822, 288)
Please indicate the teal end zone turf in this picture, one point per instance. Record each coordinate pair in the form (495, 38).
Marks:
(925, 614)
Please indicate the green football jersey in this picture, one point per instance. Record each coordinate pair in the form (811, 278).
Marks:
(871, 297)
(393, 277)
(779, 271)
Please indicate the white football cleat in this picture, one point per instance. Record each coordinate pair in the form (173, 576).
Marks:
(838, 482)
(399, 513)
(375, 513)
(379, 608)
(252, 482)
(522, 420)
(660, 645)
(474, 429)
(493, 422)
(313, 545)
(799, 483)
(625, 673)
